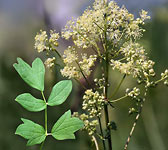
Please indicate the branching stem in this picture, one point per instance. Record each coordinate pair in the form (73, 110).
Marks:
(116, 100)
(135, 122)
(92, 43)
(83, 74)
(106, 87)
(118, 87)
(160, 80)
(132, 129)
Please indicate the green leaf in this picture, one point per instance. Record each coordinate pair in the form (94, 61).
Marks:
(60, 92)
(34, 133)
(65, 127)
(32, 76)
(31, 103)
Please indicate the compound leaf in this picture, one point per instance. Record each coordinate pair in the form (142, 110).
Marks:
(33, 76)
(31, 103)
(34, 133)
(65, 127)
(60, 92)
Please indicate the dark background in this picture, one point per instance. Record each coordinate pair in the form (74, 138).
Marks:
(20, 20)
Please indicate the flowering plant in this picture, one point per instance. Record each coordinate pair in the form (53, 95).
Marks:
(111, 35)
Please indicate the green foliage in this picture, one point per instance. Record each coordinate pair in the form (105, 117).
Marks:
(60, 92)
(32, 76)
(31, 131)
(65, 127)
(31, 103)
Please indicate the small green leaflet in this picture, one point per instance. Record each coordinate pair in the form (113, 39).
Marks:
(31, 103)
(34, 133)
(32, 76)
(60, 92)
(65, 127)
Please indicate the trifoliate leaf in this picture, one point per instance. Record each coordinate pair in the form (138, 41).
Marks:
(32, 76)
(31, 103)
(34, 133)
(60, 92)
(65, 127)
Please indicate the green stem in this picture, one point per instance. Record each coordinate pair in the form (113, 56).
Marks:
(99, 26)
(106, 88)
(107, 126)
(45, 113)
(160, 80)
(119, 85)
(101, 131)
(58, 54)
(133, 127)
(83, 74)
(116, 100)
(45, 119)
(92, 43)
(135, 122)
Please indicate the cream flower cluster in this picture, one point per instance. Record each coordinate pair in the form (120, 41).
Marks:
(87, 63)
(54, 38)
(70, 72)
(164, 76)
(87, 30)
(73, 66)
(43, 43)
(49, 63)
(134, 61)
(89, 126)
(100, 83)
(144, 15)
(93, 102)
(111, 32)
(70, 57)
(134, 93)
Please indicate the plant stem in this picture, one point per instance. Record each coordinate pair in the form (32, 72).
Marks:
(132, 130)
(135, 122)
(45, 113)
(58, 54)
(83, 74)
(101, 131)
(160, 80)
(45, 119)
(95, 141)
(116, 100)
(92, 43)
(106, 84)
(98, 26)
(107, 126)
(118, 87)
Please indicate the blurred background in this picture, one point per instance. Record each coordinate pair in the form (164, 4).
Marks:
(21, 20)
